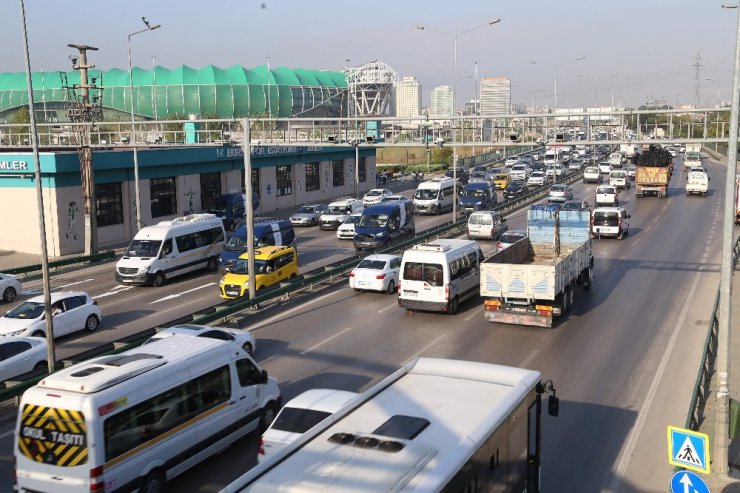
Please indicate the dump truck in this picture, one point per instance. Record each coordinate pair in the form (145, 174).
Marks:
(653, 172)
(535, 280)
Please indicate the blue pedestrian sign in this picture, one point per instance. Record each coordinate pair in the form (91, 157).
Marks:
(688, 449)
(688, 482)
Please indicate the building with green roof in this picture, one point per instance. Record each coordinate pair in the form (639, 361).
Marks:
(234, 92)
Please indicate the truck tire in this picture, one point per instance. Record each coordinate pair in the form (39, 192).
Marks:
(452, 306)
(588, 277)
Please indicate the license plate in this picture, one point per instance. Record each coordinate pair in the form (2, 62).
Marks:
(361, 283)
(232, 293)
(128, 280)
(518, 309)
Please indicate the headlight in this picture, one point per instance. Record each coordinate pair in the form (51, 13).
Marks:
(143, 270)
(221, 282)
(380, 235)
(479, 203)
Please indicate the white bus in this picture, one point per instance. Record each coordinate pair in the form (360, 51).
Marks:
(171, 248)
(439, 276)
(138, 418)
(435, 425)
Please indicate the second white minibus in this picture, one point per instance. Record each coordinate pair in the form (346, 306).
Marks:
(439, 276)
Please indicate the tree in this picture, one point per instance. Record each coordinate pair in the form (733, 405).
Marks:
(20, 132)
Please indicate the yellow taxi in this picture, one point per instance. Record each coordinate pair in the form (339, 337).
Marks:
(272, 264)
(500, 181)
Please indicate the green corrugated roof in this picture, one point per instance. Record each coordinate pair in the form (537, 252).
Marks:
(232, 92)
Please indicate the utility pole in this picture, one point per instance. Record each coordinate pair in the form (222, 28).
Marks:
(84, 110)
(697, 80)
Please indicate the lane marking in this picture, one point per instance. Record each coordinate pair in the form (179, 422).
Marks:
(113, 291)
(177, 295)
(655, 220)
(301, 306)
(6, 434)
(470, 317)
(635, 242)
(388, 307)
(72, 284)
(525, 363)
(325, 341)
(626, 454)
(425, 348)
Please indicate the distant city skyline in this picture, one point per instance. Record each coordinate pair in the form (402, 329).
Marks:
(633, 49)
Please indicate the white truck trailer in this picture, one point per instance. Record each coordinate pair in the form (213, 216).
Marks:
(534, 280)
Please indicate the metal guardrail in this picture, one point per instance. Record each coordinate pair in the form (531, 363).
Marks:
(107, 255)
(308, 280)
(701, 386)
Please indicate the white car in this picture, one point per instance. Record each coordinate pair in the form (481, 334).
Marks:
(19, 355)
(299, 415)
(71, 311)
(554, 170)
(519, 172)
(10, 286)
(607, 195)
(375, 196)
(605, 167)
(610, 221)
(346, 230)
(377, 272)
(536, 178)
(591, 174)
(242, 338)
(511, 161)
(508, 238)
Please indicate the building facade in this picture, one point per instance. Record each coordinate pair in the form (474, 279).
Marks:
(408, 97)
(441, 101)
(495, 96)
(172, 182)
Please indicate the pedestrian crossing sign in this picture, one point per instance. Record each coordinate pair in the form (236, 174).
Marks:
(688, 449)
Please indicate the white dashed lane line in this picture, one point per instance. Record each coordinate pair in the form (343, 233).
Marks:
(177, 295)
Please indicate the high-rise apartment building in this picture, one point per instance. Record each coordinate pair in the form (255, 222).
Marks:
(408, 97)
(495, 96)
(441, 104)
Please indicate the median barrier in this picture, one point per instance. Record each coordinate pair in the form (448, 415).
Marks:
(134, 339)
(90, 353)
(107, 255)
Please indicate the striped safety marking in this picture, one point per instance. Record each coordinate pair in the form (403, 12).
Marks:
(53, 436)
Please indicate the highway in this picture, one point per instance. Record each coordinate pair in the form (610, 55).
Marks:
(612, 360)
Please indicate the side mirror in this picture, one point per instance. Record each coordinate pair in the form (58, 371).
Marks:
(553, 406)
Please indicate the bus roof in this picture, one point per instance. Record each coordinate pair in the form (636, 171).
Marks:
(410, 432)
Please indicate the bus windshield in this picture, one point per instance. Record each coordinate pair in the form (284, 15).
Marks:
(143, 248)
(426, 194)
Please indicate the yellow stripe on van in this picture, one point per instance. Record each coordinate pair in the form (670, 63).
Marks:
(53, 436)
(163, 436)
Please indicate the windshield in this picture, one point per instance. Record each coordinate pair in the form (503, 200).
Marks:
(219, 205)
(352, 219)
(606, 218)
(419, 271)
(373, 220)
(372, 264)
(242, 266)
(143, 248)
(510, 238)
(604, 190)
(296, 420)
(426, 194)
(306, 210)
(557, 188)
(480, 220)
(336, 209)
(27, 310)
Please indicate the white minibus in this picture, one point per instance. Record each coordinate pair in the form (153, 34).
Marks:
(171, 248)
(435, 425)
(139, 418)
(434, 196)
(439, 276)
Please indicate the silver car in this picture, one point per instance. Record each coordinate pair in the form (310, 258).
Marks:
(242, 338)
(308, 215)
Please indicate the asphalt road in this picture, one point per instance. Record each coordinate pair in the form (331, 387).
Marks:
(620, 361)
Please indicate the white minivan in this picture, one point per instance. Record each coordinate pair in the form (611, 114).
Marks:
(486, 224)
(619, 179)
(439, 276)
(171, 248)
(434, 196)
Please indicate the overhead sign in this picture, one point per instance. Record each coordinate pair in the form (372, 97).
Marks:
(688, 482)
(689, 449)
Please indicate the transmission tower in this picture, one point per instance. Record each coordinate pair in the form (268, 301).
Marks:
(697, 79)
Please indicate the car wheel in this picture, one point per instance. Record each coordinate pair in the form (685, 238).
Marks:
(41, 365)
(39, 333)
(453, 306)
(9, 294)
(91, 324)
(391, 287)
(247, 347)
(313, 222)
(154, 482)
(158, 280)
(268, 416)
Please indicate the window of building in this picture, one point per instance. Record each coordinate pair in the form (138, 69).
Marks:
(313, 179)
(210, 188)
(284, 180)
(361, 170)
(255, 182)
(337, 167)
(163, 196)
(108, 204)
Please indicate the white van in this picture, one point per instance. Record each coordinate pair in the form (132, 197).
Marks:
(697, 183)
(171, 248)
(139, 418)
(338, 212)
(434, 196)
(486, 224)
(619, 179)
(439, 276)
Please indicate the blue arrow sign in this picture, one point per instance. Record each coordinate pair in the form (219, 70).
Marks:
(688, 482)
(688, 449)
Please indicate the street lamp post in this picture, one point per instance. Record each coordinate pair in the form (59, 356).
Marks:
(534, 62)
(454, 95)
(137, 199)
(722, 416)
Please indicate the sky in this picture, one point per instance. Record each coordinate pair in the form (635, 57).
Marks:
(639, 51)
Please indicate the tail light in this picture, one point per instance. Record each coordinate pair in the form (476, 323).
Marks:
(380, 276)
(498, 246)
(620, 222)
(447, 292)
(352, 274)
(261, 447)
(97, 484)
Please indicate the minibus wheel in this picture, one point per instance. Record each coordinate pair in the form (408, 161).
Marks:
(158, 279)
(154, 482)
